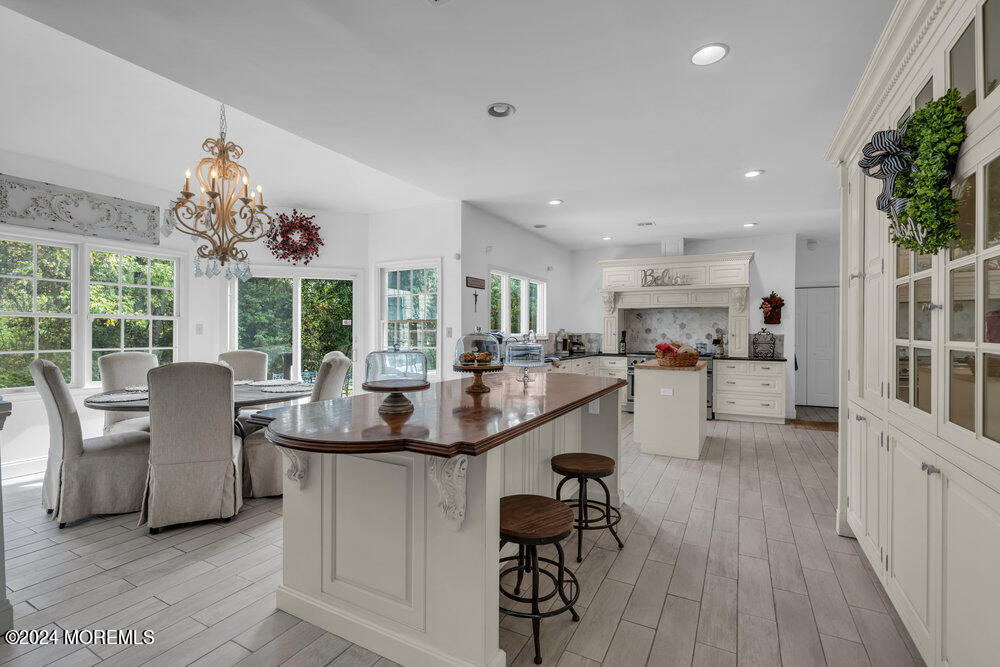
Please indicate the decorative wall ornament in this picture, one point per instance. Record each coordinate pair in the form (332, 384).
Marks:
(45, 206)
(608, 299)
(448, 476)
(763, 344)
(663, 278)
(298, 466)
(772, 305)
(294, 238)
(738, 299)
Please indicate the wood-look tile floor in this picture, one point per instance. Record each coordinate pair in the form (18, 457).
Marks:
(729, 560)
(816, 413)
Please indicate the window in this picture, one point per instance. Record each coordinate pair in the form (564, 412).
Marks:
(131, 305)
(410, 314)
(517, 304)
(36, 306)
(296, 339)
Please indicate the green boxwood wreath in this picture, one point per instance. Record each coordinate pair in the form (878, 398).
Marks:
(934, 135)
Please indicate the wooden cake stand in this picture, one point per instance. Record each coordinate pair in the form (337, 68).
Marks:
(395, 403)
(478, 386)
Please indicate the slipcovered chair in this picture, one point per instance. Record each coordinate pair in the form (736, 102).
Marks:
(120, 370)
(262, 467)
(194, 458)
(246, 365)
(102, 475)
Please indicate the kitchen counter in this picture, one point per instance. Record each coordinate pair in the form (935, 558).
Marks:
(655, 365)
(749, 358)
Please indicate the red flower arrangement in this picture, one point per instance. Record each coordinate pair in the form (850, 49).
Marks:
(771, 305)
(294, 238)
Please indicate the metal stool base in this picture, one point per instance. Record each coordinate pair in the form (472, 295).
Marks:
(608, 518)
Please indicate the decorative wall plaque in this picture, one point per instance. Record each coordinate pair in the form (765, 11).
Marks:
(45, 206)
(663, 278)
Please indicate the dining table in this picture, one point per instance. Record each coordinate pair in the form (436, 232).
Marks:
(244, 396)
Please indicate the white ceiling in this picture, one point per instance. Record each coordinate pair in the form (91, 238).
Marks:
(612, 116)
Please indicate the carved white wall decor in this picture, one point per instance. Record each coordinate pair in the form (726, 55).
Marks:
(448, 476)
(678, 281)
(46, 206)
(298, 466)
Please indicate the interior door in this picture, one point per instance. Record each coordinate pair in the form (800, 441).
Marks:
(873, 280)
(821, 350)
(801, 346)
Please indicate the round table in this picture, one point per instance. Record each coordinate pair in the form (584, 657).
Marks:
(244, 396)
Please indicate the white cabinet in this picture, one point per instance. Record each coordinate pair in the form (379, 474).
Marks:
(854, 284)
(873, 316)
(865, 467)
(749, 390)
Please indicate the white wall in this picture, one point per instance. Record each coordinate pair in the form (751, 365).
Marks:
(585, 313)
(489, 242)
(819, 267)
(772, 268)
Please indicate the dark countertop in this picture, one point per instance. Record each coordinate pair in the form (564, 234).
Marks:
(749, 359)
(587, 354)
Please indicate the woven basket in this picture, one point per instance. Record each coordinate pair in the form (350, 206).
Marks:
(678, 360)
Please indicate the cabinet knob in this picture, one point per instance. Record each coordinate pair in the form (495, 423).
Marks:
(860, 274)
(929, 469)
(765, 405)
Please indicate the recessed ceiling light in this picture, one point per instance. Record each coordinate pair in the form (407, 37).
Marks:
(500, 109)
(555, 202)
(709, 54)
(605, 238)
(749, 224)
(540, 226)
(754, 173)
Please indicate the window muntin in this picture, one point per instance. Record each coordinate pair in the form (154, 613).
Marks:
(410, 305)
(36, 309)
(132, 305)
(517, 304)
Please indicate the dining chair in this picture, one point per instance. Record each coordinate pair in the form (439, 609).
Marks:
(119, 370)
(262, 464)
(84, 477)
(246, 365)
(194, 458)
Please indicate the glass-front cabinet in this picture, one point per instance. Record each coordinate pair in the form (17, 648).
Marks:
(913, 351)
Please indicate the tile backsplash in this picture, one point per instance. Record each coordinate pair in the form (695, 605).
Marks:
(646, 327)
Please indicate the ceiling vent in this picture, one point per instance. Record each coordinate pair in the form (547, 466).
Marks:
(438, 2)
(648, 223)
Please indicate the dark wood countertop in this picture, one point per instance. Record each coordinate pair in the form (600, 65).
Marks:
(655, 365)
(445, 421)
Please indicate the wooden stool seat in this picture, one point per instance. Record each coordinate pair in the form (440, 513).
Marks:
(527, 519)
(579, 464)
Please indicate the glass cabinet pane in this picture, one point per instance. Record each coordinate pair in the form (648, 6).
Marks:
(903, 310)
(962, 389)
(965, 196)
(992, 173)
(922, 386)
(991, 45)
(921, 262)
(962, 297)
(962, 62)
(922, 309)
(903, 373)
(991, 298)
(902, 262)
(991, 396)
(925, 95)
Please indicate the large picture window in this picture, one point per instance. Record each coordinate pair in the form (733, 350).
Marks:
(132, 305)
(409, 307)
(36, 309)
(517, 304)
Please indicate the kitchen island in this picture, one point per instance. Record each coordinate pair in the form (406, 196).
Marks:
(391, 523)
(670, 408)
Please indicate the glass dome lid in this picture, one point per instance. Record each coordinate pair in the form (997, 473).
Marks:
(527, 354)
(477, 349)
(395, 370)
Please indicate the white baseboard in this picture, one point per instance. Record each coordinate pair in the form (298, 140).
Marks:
(12, 469)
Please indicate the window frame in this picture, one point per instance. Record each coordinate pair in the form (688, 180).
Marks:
(380, 275)
(526, 281)
(297, 275)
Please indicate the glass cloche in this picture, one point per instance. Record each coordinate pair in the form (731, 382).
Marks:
(477, 349)
(525, 354)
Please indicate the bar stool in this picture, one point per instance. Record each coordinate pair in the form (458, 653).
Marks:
(584, 467)
(529, 521)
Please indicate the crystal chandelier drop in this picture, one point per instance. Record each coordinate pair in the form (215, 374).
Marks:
(224, 213)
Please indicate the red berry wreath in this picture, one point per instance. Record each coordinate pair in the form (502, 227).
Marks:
(294, 238)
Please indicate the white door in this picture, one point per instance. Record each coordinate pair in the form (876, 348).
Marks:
(821, 337)
(801, 347)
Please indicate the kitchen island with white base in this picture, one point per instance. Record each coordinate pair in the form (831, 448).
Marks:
(670, 408)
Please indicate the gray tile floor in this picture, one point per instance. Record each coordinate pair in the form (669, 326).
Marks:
(729, 559)
(816, 413)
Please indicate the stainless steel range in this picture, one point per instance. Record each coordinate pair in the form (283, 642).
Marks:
(638, 357)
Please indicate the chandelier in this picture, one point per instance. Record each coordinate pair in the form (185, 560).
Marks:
(225, 213)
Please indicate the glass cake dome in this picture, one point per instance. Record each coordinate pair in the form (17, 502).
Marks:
(395, 370)
(526, 353)
(477, 349)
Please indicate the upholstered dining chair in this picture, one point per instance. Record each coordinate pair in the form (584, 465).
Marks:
(120, 370)
(262, 464)
(84, 477)
(246, 365)
(194, 458)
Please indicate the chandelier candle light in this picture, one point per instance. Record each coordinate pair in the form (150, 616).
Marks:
(225, 214)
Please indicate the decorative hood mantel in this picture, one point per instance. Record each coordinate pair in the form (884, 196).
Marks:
(681, 281)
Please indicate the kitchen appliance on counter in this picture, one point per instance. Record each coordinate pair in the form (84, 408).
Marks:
(634, 358)
(576, 344)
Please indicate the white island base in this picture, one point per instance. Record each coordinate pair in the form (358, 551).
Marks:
(398, 552)
(671, 409)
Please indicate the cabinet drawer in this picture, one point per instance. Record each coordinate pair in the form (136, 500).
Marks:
(613, 362)
(767, 368)
(739, 404)
(756, 383)
(724, 367)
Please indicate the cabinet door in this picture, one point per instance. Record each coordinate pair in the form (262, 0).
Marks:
(872, 479)
(856, 434)
(874, 319)
(854, 291)
(910, 492)
(970, 576)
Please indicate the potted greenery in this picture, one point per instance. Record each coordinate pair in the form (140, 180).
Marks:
(771, 305)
